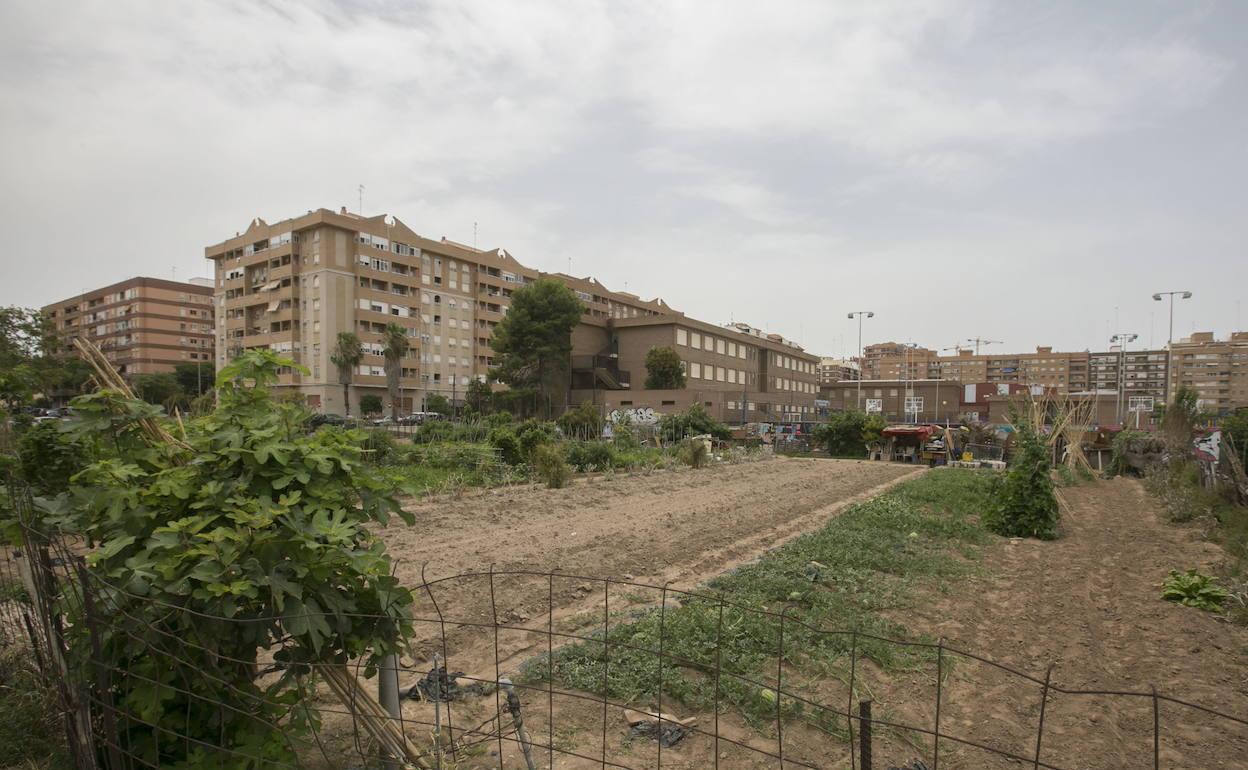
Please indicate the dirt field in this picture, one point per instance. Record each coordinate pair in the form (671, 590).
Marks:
(1087, 603)
(683, 526)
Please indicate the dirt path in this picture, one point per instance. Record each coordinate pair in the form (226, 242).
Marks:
(1089, 603)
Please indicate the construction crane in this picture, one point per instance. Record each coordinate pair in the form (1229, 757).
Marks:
(981, 341)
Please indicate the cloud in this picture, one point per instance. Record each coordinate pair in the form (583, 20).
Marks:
(669, 144)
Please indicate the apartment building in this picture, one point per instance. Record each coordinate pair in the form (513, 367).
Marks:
(1140, 375)
(895, 360)
(832, 370)
(737, 372)
(1216, 369)
(294, 285)
(1061, 372)
(143, 325)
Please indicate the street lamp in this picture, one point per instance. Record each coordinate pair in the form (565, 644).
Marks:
(1122, 339)
(860, 314)
(1170, 339)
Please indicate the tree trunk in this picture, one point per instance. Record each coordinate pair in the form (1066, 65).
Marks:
(346, 399)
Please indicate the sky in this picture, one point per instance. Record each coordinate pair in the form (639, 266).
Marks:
(1027, 172)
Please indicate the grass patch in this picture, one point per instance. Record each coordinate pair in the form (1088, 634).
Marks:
(31, 734)
(841, 577)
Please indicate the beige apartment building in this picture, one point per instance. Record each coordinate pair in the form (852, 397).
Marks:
(837, 370)
(1216, 369)
(294, 285)
(143, 325)
(1061, 372)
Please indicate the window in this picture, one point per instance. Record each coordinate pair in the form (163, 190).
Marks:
(695, 370)
(695, 340)
(682, 337)
(708, 343)
(721, 347)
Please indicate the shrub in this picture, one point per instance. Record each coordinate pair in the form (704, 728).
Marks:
(846, 434)
(531, 433)
(693, 452)
(583, 422)
(550, 465)
(504, 439)
(1024, 503)
(250, 518)
(1193, 589)
(590, 455)
(47, 457)
(498, 419)
(380, 447)
(694, 421)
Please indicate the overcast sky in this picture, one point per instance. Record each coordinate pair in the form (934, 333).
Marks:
(1024, 172)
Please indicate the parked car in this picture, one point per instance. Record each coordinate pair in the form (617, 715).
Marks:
(326, 419)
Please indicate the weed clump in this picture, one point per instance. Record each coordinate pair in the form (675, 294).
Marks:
(551, 466)
(693, 452)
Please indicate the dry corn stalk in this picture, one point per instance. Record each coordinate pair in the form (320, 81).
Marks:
(107, 377)
(372, 716)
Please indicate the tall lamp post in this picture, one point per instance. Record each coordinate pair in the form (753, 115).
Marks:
(1122, 339)
(860, 314)
(1170, 338)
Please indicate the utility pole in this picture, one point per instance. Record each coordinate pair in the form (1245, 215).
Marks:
(1170, 338)
(860, 314)
(1122, 338)
(980, 341)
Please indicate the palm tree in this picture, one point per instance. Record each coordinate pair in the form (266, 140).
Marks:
(395, 339)
(346, 356)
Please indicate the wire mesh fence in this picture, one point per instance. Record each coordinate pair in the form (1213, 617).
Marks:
(527, 669)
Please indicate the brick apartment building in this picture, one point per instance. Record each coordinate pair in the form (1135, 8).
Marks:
(294, 285)
(143, 325)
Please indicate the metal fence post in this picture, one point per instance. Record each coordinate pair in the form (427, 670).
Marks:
(864, 735)
(388, 696)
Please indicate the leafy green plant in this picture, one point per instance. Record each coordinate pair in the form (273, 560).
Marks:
(694, 421)
(550, 465)
(370, 403)
(532, 433)
(1193, 589)
(846, 434)
(248, 535)
(47, 458)
(590, 455)
(583, 422)
(1024, 504)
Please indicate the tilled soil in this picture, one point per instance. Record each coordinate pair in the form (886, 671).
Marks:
(1089, 604)
(681, 527)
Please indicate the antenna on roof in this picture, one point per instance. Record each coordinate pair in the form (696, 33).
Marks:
(361, 200)
(474, 235)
